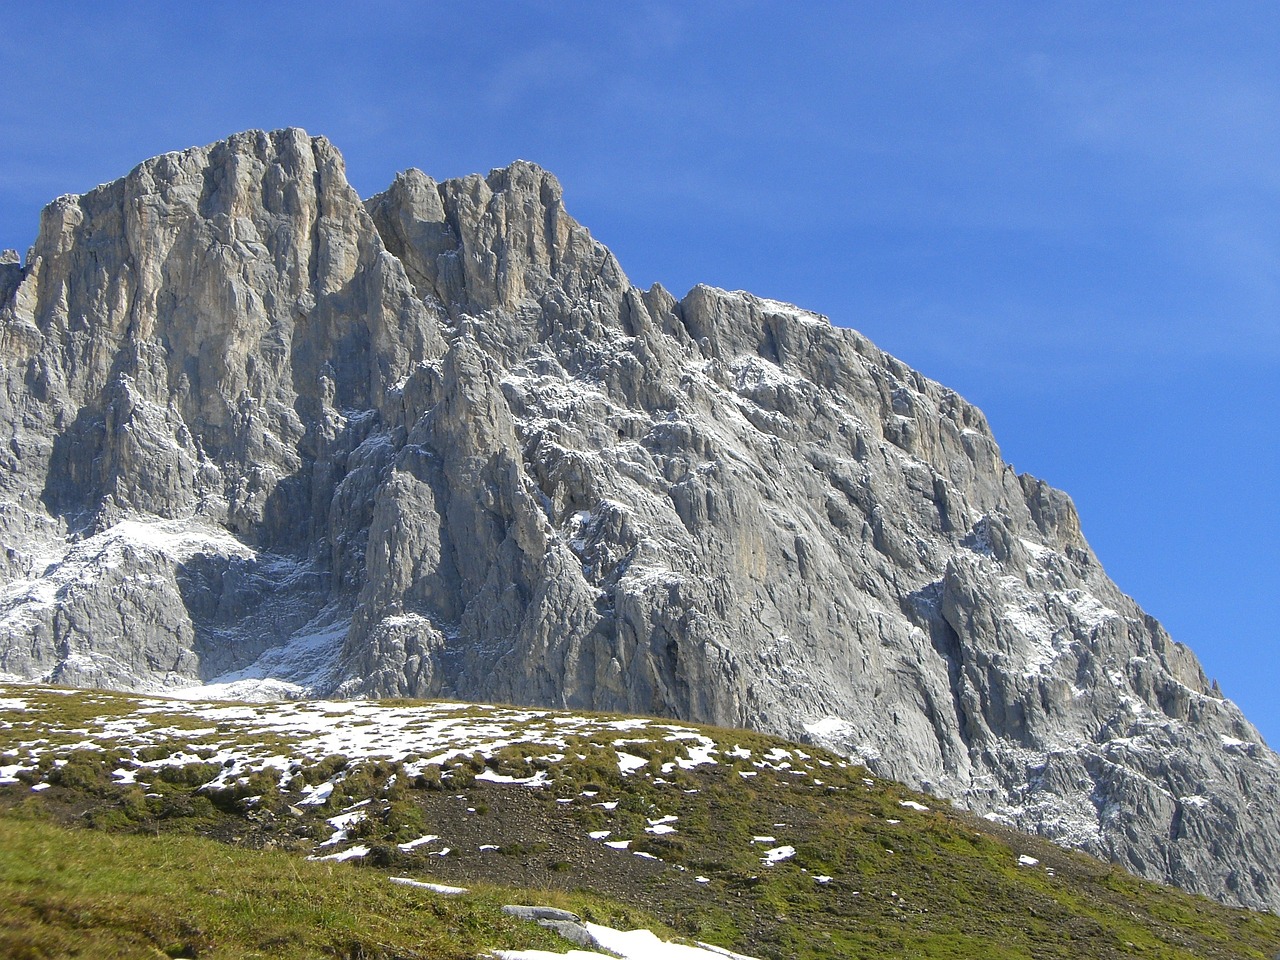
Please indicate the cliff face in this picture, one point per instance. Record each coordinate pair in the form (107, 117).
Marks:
(263, 434)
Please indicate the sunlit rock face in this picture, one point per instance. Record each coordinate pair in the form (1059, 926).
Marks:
(260, 434)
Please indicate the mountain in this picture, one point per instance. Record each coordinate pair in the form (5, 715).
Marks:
(265, 436)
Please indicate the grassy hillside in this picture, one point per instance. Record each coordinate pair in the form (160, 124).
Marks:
(137, 826)
(88, 893)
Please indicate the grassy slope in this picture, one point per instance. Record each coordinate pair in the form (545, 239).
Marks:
(935, 884)
(68, 892)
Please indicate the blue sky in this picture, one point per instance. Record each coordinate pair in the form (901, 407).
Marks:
(1070, 213)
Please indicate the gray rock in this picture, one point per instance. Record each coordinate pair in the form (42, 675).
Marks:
(575, 931)
(540, 914)
(567, 925)
(255, 431)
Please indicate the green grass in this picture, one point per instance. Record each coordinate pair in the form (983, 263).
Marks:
(91, 894)
(937, 885)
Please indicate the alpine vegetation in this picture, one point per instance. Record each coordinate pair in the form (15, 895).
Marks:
(411, 829)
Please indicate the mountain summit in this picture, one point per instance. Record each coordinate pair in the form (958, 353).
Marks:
(268, 438)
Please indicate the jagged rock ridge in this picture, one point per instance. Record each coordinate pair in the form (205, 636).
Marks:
(435, 444)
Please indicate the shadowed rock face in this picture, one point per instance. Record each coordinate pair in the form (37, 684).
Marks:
(260, 433)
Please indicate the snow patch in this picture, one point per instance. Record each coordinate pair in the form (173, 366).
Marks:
(778, 854)
(538, 779)
(433, 887)
(290, 672)
(411, 844)
(829, 728)
(629, 763)
(352, 853)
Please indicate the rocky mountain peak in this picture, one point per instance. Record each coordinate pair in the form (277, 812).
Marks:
(266, 436)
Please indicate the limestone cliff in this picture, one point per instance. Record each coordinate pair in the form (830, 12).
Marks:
(262, 434)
